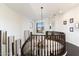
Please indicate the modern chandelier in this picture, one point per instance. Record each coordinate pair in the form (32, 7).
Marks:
(42, 17)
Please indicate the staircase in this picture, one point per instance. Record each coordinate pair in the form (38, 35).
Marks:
(52, 44)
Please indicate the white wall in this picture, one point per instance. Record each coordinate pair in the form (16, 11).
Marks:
(10, 21)
(72, 37)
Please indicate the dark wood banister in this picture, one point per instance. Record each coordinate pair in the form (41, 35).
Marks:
(61, 41)
(28, 39)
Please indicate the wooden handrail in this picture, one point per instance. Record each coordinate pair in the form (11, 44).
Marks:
(28, 39)
(58, 39)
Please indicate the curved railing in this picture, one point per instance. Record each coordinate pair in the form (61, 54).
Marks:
(51, 44)
(25, 45)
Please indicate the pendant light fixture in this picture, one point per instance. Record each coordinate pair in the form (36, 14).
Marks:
(41, 13)
(42, 27)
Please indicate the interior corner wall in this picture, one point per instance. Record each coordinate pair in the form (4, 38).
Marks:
(10, 21)
(72, 37)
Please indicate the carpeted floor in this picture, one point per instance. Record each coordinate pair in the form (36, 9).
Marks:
(72, 50)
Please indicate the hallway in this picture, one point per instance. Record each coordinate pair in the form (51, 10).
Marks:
(72, 50)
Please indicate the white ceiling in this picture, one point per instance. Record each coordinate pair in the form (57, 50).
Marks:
(33, 11)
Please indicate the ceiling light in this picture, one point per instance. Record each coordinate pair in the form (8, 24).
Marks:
(41, 13)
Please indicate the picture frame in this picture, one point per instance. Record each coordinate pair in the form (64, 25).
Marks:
(77, 25)
(71, 20)
(71, 29)
(64, 22)
(39, 27)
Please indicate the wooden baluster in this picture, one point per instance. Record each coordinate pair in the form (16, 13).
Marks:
(55, 45)
(36, 46)
(16, 49)
(32, 46)
(44, 45)
(50, 45)
(8, 46)
(59, 44)
(35, 41)
(47, 46)
(61, 41)
(20, 47)
(31, 43)
(39, 47)
(64, 43)
(41, 44)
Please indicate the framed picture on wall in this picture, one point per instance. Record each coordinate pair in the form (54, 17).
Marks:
(71, 20)
(71, 29)
(64, 22)
(39, 27)
(77, 25)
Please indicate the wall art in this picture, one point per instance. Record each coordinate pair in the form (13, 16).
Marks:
(39, 27)
(64, 22)
(71, 29)
(77, 25)
(71, 20)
